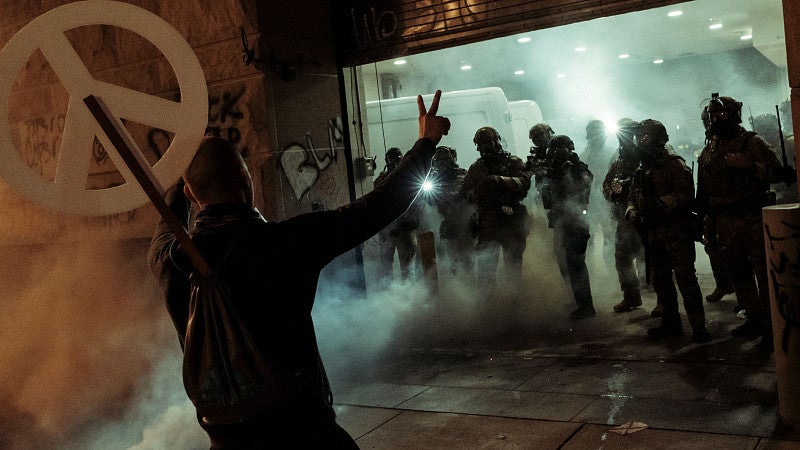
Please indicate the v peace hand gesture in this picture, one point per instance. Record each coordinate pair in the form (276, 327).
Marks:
(432, 126)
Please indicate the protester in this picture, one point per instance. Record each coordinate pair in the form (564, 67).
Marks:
(271, 270)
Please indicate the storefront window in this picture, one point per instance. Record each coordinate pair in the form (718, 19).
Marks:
(662, 63)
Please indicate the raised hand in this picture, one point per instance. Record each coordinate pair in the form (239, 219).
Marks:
(432, 126)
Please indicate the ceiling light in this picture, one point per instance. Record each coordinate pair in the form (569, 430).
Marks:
(746, 37)
(561, 75)
(658, 61)
(675, 13)
(466, 66)
(715, 26)
(580, 49)
(523, 40)
(519, 72)
(624, 56)
(399, 62)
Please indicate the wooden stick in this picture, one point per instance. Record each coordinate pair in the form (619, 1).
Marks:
(138, 165)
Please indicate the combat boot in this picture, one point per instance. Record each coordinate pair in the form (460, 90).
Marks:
(717, 294)
(668, 328)
(700, 335)
(583, 312)
(657, 312)
(630, 301)
(766, 345)
(750, 329)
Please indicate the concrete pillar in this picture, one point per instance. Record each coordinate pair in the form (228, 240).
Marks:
(782, 242)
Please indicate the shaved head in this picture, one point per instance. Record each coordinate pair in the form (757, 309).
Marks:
(218, 174)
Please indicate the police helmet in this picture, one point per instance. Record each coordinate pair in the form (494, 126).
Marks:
(766, 125)
(626, 123)
(626, 128)
(487, 139)
(563, 142)
(651, 134)
(558, 151)
(595, 129)
(393, 156)
(725, 104)
(539, 129)
(763, 122)
(445, 156)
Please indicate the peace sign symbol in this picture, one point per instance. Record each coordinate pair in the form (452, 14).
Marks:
(187, 119)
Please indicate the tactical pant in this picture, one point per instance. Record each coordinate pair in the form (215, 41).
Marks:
(496, 231)
(574, 237)
(405, 243)
(628, 249)
(722, 277)
(741, 242)
(457, 243)
(672, 250)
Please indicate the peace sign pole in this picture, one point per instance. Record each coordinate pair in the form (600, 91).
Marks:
(140, 168)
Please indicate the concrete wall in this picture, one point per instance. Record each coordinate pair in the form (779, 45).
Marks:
(289, 128)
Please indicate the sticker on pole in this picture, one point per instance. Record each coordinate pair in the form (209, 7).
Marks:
(187, 119)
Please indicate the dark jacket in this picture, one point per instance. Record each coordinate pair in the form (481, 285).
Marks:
(723, 188)
(663, 192)
(567, 192)
(274, 267)
(621, 170)
(496, 182)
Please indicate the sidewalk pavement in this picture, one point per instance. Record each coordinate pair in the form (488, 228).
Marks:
(592, 384)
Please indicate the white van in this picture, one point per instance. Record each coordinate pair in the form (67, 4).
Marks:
(394, 122)
(524, 115)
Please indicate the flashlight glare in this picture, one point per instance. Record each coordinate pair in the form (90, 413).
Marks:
(427, 186)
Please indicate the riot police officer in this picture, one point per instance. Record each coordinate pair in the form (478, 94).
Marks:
(723, 284)
(565, 194)
(735, 171)
(598, 155)
(628, 249)
(540, 135)
(399, 235)
(661, 198)
(768, 127)
(447, 179)
(496, 183)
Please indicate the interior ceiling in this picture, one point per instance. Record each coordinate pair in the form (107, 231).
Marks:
(644, 35)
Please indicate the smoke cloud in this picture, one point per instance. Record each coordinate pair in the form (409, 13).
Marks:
(89, 356)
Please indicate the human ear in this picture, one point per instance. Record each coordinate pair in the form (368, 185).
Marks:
(187, 191)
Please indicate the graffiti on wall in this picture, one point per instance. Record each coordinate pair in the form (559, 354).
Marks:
(303, 164)
(224, 114)
(41, 137)
(112, 220)
(372, 25)
(783, 265)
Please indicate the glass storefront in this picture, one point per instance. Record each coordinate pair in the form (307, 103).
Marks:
(662, 63)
